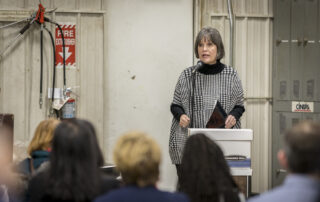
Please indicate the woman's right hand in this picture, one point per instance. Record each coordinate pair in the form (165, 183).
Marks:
(184, 121)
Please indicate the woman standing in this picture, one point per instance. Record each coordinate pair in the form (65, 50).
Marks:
(199, 90)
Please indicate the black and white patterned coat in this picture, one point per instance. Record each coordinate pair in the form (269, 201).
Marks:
(224, 87)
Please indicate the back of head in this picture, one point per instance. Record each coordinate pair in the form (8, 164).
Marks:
(75, 161)
(302, 147)
(43, 135)
(205, 174)
(137, 156)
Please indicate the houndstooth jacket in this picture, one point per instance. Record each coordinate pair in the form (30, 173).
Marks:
(224, 87)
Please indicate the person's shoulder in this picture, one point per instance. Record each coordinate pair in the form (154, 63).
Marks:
(275, 195)
(188, 71)
(177, 197)
(114, 195)
(186, 74)
(131, 193)
(229, 70)
(268, 196)
(189, 68)
(169, 196)
(104, 198)
(23, 166)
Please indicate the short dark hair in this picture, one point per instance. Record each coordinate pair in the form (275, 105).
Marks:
(302, 147)
(205, 174)
(214, 36)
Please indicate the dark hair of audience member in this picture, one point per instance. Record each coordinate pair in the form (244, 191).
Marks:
(205, 175)
(74, 162)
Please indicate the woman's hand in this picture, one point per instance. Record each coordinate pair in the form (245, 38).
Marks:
(230, 122)
(184, 120)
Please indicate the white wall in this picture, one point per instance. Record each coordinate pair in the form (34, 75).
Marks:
(128, 60)
(148, 44)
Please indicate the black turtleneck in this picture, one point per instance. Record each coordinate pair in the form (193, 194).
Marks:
(208, 69)
(212, 69)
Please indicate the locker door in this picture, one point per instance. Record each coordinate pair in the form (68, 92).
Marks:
(282, 51)
(282, 78)
(311, 116)
(297, 66)
(310, 50)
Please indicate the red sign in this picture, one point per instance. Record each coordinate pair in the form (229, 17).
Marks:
(69, 34)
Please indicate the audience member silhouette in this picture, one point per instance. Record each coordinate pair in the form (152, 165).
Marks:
(39, 147)
(300, 157)
(74, 172)
(137, 156)
(205, 174)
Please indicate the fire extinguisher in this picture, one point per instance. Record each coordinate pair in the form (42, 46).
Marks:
(69, 108)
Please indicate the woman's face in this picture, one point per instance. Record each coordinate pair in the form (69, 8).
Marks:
(207, 51)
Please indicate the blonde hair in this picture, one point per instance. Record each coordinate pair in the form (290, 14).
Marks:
(43, 135)
(137, 157)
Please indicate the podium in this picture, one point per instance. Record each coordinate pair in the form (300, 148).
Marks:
(236, 146)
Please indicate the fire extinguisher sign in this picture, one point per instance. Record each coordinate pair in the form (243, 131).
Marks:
(69, 34)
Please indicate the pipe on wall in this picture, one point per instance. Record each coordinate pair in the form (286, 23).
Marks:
(230, 12)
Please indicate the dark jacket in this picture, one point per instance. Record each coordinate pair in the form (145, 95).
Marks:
(37, 157)
(145, 194)
(39, 190)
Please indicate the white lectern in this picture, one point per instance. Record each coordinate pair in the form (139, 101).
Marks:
(235, 143)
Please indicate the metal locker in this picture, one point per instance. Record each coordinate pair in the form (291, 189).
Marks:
(310, 116)
(282, 50)
(310, 51)
(296, 69)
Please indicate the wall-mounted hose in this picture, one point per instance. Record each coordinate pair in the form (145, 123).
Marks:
(63, 51)
(54, 68)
